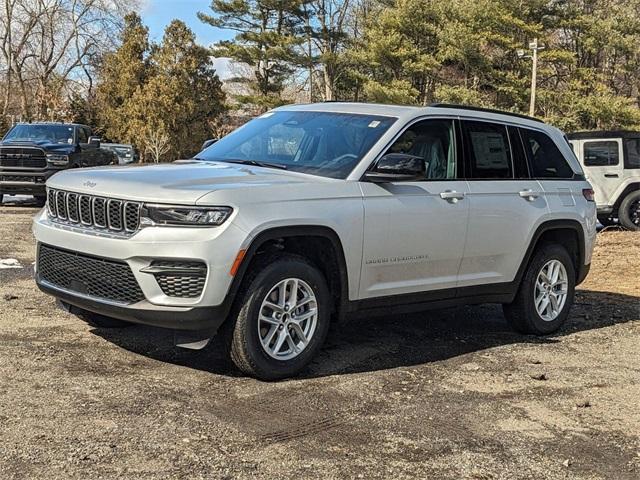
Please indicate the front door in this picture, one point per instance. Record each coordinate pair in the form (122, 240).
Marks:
(414, 231)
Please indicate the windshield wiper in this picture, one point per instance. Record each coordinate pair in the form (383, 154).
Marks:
(257, 163)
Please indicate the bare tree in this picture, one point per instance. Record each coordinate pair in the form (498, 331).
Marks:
(156, 143)
(47, 46)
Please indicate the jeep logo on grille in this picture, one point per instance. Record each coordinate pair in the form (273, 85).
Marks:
(89, 184)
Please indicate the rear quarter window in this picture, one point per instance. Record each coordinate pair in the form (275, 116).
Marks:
(545, 158)
(632, 159)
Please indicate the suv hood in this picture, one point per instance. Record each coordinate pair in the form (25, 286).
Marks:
(182, 182)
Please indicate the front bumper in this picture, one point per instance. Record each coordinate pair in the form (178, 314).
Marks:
(25, 182)
(197, 318)
(215, 247)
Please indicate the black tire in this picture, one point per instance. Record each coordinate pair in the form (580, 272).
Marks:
(101, 321)
(1, 197)
(629, 211)
(521, 313)
(607, 221)
(40, 200)
(244, 346)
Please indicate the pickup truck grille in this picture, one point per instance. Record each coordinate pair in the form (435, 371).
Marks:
(22, 157)
(88, 275)
(106, 214)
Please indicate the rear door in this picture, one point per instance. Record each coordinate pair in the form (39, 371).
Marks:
(504, 204)
(414, 231)
(603, 166)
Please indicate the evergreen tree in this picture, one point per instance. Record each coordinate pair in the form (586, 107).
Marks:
(123, 74)
(267, 34)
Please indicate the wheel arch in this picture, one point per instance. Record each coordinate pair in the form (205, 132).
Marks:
(634, 186)
(311, 241)
(566, 232)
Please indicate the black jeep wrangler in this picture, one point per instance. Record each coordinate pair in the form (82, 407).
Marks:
(31, 152)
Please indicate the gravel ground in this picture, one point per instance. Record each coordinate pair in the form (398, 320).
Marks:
(449, 394)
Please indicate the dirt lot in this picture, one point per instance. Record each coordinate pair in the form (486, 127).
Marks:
(446, 394)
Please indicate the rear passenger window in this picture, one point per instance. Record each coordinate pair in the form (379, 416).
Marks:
(489, 151)
(601, 154)
(633, 153)
(545, 159)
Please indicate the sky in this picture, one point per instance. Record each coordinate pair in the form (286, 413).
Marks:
(157, 14)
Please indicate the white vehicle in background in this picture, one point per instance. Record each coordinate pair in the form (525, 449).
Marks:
(611, 161)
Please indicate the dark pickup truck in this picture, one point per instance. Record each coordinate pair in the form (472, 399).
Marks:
(31, 152)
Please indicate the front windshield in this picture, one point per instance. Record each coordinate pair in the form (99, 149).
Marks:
(321, 143)
(35, 133)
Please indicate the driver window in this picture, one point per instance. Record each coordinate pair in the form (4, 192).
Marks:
(434, 142)
(82, 135)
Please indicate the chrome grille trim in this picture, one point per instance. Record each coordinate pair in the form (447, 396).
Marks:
(114, 214)
(91, 212)
(61, 205)
(72, 207)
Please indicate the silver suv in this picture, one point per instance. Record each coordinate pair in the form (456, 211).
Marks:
(313, 213)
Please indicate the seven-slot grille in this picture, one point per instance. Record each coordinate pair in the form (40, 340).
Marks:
(88, 275)
(22, 157)
(91, 211)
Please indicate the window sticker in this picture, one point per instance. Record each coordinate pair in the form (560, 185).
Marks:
(374, 124)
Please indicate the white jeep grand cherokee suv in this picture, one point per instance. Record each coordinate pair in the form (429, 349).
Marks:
(311, 213)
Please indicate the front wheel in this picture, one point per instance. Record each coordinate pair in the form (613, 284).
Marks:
(283, 319)
(545, 296)
(629, 211)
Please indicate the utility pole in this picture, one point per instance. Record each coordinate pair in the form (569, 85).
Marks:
(534, 47)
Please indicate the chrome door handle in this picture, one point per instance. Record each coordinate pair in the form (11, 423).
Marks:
(529, 195)
(451, 196)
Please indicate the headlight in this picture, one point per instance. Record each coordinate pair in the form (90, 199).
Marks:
(168, 215)
(56, 159)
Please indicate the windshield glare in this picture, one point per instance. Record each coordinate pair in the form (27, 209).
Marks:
(34, 133)
(321, 143)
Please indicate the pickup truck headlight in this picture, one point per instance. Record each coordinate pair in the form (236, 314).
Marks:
(175, 215)
(57, 159)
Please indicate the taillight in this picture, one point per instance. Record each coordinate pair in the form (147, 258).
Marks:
(589, 194)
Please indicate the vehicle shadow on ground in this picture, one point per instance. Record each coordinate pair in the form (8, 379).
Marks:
(381, 343)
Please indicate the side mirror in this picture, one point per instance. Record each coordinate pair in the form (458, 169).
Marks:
(94, 141)
(397, 167)
(209, 142)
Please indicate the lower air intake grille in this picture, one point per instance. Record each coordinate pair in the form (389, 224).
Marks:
(180, 279)
(88, 275)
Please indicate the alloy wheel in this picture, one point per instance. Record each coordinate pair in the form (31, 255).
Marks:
(287, 319)
(551, 290)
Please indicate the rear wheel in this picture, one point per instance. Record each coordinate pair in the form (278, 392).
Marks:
(283, 319)
(629, 211)
(545, 296)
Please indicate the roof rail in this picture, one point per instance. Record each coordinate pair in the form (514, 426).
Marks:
(481, 109)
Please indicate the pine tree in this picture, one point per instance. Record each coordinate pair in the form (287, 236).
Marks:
(123, 74)
(267, 34)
